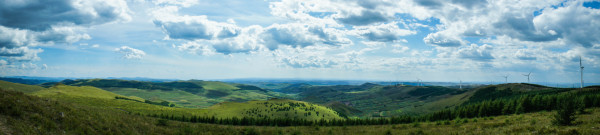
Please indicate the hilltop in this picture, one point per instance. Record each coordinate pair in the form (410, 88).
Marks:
(20, 87)
(273, 108)
(371, 100)
(190, 94)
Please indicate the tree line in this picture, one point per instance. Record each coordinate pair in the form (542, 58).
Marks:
(516, 105)
(266, 121)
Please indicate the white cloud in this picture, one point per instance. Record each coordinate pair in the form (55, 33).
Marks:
(385, 32)
(477, 53)
(197, 48)
(3, 62)
(310, 57)
(20, 54)
(130, 53)
(443, 40)
(399, 48)
(183, 3)
(192, 27)
(28, 24)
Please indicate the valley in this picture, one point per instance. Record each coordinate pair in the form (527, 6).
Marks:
(324, 109)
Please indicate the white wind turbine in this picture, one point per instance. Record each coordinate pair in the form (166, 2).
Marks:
(527, 76)
(505, 78)
(581, 70)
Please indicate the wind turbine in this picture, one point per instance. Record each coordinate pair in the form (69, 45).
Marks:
(581, 70)
(527, 76)
(418, 82)
(505, 78)
(460, 84)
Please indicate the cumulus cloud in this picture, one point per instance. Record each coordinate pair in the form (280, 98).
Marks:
(303, 57)
(130, 53)
(399, 48)
(523, 54)
(41, 15)
(456, 28)
(300, 35)
(440, 39)
(3, 62)
(183, 3)
(532, 21)
(195, 27)
(20, 53)
(477, 53)
(383, 32)
(27, 24)
(364, 18)
(197, 48)
(573, 22)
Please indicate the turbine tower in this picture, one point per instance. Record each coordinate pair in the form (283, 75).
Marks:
(581, 71)
(460, 84)
(505, 78)
(419, 82)
(527, 76)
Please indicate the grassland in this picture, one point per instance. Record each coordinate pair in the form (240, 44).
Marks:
(99, 98)
(24, 114)
(379, 100)
(20, 87)
(189, 94)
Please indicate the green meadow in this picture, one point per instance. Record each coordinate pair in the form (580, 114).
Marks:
(85, 109)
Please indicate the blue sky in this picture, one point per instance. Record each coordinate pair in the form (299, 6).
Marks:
(434, 40)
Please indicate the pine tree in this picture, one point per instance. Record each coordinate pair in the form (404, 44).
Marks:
(565, 114)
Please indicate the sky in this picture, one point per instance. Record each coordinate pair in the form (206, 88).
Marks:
(387, 40)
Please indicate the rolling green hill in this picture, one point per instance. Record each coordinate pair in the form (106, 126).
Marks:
(281, 108)
(393, 100)
(19, 87)
(24, 114)
(273, 108)
(83, 91)
(190, 94)
(377, 100)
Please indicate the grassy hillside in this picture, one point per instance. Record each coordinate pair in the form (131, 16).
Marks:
(19, 87)
(343, 109)
(200, 100)
(23, 114)
(378, 100)
(303, 87)
(82, 91)
(274, 108)
(511, 90)
(189, 94)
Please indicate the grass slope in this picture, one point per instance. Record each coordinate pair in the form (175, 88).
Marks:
(273, 108)
(189, 94)
(20, 87)
(378, 100)
(24, 114)
(82, 91)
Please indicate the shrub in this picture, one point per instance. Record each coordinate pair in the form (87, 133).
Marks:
(250, 131)
(162, 122)
(388, 132)
(565, 113)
